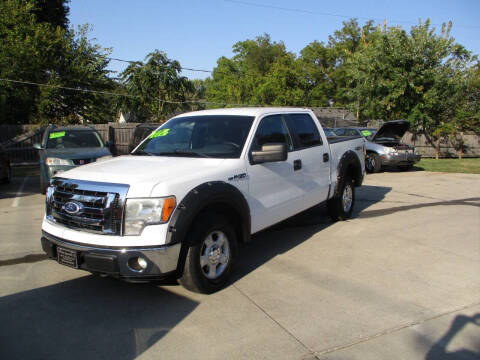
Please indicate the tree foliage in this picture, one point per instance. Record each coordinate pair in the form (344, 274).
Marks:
(377, 72)
(38, 48)
(155, 88)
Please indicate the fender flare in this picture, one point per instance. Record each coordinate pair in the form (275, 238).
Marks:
(349, 160)
(199, 199)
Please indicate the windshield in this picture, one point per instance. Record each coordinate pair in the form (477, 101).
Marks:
(217, 136)
(68, 139)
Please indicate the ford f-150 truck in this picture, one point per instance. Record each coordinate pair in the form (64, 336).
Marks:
(194, 189)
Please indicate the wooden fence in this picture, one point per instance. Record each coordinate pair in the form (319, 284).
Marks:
(19, 140)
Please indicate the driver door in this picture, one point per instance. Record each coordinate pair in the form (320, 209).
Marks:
(275, 191)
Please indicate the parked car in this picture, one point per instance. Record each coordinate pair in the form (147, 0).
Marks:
(140, 133)
(5, 169)
(384, 148)
(66, 147)
(196, 187)
(329, 133)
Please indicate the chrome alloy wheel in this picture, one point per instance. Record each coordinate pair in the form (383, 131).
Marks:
(370, 163)
(347, 198)
(214, 255)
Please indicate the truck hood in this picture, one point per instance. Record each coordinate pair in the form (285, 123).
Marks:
(142, 173)
(391, 130)
(79, 153)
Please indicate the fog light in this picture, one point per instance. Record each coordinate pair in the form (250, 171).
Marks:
(142, 263)
(137, 264)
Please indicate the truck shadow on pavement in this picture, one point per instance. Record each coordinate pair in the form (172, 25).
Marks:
(292, 232)
(88, 318)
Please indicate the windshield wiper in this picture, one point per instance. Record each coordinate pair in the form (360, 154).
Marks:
(183, 152)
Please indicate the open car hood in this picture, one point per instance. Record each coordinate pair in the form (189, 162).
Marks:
(392, 130)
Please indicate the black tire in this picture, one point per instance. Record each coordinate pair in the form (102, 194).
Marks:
(373, 164)
(405, 167)
(8, 176)
(43, 185)
(212, 239)
(340, 207)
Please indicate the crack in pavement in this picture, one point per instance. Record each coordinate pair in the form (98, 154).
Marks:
(390, 331)
(312, 354)
(310, 351)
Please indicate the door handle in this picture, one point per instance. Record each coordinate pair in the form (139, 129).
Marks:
(326, 157)
(297, 165)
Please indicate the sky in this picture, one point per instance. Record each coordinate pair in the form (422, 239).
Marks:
(197, 33)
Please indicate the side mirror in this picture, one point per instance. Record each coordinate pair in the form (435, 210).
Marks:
(270, 153)
(37, 146)
(109, 144)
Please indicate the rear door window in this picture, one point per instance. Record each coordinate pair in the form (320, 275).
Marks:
(304, 131)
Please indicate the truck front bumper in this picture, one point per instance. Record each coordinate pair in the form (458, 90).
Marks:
(126, 263)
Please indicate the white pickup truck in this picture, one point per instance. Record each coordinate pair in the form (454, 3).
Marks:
(201, 183)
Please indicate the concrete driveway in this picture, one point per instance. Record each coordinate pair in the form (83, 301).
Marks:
(399, 281)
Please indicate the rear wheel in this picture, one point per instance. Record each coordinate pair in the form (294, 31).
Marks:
(340, 207)
(373, 163)
(211, 255)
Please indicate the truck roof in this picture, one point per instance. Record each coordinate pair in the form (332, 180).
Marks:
(246, 111)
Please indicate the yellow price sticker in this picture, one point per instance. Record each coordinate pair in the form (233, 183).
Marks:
(366, 132)
(158, 133)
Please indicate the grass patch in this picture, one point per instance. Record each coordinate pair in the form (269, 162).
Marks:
(468, 166)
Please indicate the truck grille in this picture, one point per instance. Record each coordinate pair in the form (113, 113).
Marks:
(86, 205)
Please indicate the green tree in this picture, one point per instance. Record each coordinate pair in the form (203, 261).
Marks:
(54, 12)
(155, 88)
(394, 75)
(466, 118)
(261, 72)
(37, 48)
(82, 66)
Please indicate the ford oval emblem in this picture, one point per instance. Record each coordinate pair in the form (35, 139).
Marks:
(73, 208)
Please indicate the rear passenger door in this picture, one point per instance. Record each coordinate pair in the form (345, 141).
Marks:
(311, 157)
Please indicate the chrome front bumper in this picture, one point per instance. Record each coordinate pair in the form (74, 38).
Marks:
(117, 262)
(396, 159)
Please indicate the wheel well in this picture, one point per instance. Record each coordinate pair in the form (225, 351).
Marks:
(355, 173)
(231, 213)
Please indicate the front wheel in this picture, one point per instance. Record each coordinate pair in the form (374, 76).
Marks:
(373, 163)
(340, 207)
(211, 255)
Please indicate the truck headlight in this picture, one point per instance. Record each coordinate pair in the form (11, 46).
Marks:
(149, 211)
(53, 161)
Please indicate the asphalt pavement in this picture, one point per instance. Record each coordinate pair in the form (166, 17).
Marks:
(401, 280)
